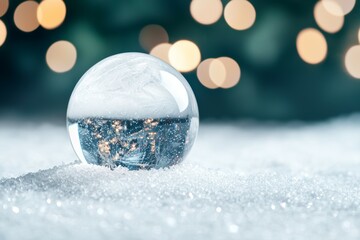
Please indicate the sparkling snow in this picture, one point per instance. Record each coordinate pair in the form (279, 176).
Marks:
(241, 181)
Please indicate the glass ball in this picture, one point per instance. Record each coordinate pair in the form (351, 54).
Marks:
(132, 110)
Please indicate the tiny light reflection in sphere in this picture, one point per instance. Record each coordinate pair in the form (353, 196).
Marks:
(61, 56)
(217, 72)
(25, 16)
(206, 11)
(4, 6)
(339, 7)
(352, 61)
(184, 55)
(325, 20)
(3, 33)
(203, 74)
(233, 72)
(161, 51)
(240, 14)
(311, 46)
(152, 35)
(51, 13)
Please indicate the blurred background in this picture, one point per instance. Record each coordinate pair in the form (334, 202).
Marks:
(278, 60)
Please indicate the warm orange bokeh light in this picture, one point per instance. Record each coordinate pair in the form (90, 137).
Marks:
(4, 6)
(161, 51)
(311, 46)
(25, 16)
(352, 61)
(327, 21)
(184, 55)
(339, 7)
(240, 14)
(152, 35)
(206, 11)
(217, 72)
(203, 74)
(233, 72)
(61, 56)
(51, 13)
(3, 33)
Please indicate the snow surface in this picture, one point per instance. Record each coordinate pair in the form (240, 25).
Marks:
(241, 181)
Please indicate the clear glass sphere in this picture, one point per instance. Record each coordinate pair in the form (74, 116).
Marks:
(132, 110)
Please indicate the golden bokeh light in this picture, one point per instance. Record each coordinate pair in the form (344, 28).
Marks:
(61, 56)
(233, 72)
(3, 33)
(217, 72)
(311, 46)
(352, 61)
(339, 7)
(203, 74)
(206, 11)
(4, 6)
(184, 55)
(152, 35)
(221, 72)
(325, 20)
(161, 51)
(51, 13)
(25, 17)
(239, 14)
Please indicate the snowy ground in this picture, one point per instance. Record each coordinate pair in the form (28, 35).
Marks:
(241, 181)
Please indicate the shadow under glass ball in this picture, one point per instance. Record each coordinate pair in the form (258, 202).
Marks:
(132, 110)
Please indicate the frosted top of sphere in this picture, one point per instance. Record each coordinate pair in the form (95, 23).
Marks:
(132, 85)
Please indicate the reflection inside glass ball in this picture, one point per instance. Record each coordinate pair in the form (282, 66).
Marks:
(132, 110)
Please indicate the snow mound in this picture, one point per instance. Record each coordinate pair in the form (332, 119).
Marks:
(241, 181)
(184, 202)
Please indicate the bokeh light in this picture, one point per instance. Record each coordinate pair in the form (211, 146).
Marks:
(217, 72)
(206, 11)
(325, 20)
(152, 35)
(339, 7)
(25, 17)
(203, 74)
(311, 46)
(184, 55)
(239, 14)
(161, 51)
(51, 13)
(233, 72)
(3, 33)
(352, 61)
(4, 6)
(221, 72)
(61, 56)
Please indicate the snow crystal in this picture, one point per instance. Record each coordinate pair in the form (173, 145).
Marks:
(241, 181)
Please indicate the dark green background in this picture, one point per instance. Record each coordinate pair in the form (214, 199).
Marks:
(275, 84)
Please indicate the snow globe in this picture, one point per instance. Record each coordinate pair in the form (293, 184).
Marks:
(132, 110)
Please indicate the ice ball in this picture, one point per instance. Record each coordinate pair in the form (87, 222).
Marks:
(132, 110)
